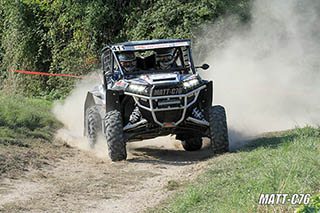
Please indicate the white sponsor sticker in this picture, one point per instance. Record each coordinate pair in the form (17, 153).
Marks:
(165, 45)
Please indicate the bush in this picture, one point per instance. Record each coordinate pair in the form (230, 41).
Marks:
(312, 207)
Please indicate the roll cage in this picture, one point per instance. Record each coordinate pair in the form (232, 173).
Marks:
(147, 64)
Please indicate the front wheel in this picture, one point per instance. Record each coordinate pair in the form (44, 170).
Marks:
(218, 129)
(114, 135)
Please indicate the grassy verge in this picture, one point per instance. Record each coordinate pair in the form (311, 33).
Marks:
(286, 162)
(25, 125)
(22, 119)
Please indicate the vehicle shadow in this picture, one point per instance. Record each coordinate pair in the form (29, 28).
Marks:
(266, 141)
(240, 142)
(168, 156)
(179, 157)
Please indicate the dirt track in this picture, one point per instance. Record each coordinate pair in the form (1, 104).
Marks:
(83, 182)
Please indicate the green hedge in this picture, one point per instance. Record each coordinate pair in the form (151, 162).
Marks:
(59, 36)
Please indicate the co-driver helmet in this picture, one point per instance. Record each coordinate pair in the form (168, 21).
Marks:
(164, 58)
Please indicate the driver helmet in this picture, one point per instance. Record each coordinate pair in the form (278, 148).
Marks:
(128, 61)
(164, 58)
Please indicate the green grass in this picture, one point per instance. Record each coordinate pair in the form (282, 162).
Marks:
(287, 162)
(27, 126)
(24, 119)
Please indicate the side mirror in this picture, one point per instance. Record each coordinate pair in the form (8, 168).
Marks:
(204, 66)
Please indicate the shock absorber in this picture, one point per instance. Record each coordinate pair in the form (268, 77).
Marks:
(135, 115)
(196, 113)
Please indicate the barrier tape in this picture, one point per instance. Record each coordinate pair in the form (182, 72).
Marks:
(265, 90)
(51, 74)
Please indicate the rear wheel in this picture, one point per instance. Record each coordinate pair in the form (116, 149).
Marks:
(218, 129)
(114, 135)
(93, 125)
(192, 144)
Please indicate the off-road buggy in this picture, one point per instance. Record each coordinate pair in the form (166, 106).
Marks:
(149, 102)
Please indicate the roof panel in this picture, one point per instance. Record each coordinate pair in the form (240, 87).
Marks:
(149, 44)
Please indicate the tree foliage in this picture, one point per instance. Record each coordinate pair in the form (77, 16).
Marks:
(57, 36)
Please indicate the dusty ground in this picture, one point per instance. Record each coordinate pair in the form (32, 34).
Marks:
(77, 180)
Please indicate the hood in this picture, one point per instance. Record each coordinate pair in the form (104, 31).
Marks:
(162, 78)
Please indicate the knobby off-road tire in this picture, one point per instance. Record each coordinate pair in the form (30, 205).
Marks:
(114, 135)
(218, 129)
(192, 144)
(93, 125)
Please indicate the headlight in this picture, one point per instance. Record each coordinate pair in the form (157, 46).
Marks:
(191, 83)
(136, 88)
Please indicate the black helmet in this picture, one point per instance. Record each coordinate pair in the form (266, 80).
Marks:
(164, 57)
(128, 61)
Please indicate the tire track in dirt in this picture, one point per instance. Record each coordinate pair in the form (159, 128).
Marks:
(83, 182)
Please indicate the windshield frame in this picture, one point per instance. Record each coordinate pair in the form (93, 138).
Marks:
(179, 53)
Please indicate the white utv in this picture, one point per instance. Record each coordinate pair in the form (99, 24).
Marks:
(150, 89)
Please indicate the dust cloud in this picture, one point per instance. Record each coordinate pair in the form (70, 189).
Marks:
(266, 72)
(71, 113)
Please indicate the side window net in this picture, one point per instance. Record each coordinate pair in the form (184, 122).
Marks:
(107, 67)
(186, 58)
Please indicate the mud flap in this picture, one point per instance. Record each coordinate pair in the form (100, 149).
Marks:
(89, 102)
(206, 98)
(113, 101)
